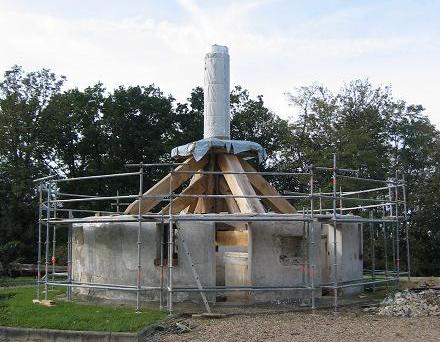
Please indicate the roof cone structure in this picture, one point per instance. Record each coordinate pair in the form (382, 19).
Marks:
(215, 165)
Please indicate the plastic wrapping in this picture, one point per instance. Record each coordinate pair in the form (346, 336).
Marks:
(200, 148)
(216, 94)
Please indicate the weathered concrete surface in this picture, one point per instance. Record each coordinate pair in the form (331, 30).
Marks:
(106, 253)
(348, 252)
(34, 335)
(278, 256)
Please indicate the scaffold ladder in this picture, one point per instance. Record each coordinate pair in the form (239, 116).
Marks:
(194, 271)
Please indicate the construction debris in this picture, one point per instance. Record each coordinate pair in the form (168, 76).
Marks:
(169, 326)
(411, 304)
(182, 328)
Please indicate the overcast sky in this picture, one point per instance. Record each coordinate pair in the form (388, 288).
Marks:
(275, 45)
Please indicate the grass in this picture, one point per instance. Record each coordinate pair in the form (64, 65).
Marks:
(17, 310)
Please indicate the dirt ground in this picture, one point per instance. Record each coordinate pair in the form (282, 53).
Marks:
(349, 325)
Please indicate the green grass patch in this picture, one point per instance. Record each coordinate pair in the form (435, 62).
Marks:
(17, 310)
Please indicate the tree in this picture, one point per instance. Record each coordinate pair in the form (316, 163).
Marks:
(371, 131)
(253, 121)
(23, 99)
(189, 118)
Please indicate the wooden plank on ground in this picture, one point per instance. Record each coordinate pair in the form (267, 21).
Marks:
(279, 205)
(162, 188)
(231, 238)
(239, 184)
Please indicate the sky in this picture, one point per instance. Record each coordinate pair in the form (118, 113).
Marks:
(275, 46)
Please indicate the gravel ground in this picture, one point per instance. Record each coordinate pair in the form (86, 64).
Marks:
(349, 325)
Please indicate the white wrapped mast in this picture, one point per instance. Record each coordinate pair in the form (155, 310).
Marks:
(216, 90)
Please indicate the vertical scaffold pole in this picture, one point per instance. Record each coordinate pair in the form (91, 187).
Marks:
(385, 248)
(335, 250)
(373, 252)
(304, 260)
(312, 239)
(162, 228)
(391, 233)
(54, 237)
(390, 198)
(139, 242)
(396, 189)
(40, 214)
(69, 258)
(170, 266)
(170, 245)
(46, 277)
(408, 255)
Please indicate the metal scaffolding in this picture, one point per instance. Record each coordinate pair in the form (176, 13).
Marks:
(384, 212)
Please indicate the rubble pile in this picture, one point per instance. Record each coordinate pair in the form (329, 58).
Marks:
(411, 304)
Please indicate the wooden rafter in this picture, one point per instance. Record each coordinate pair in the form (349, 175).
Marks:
(231, 204)
(191, 208)
(197, 187)
(162, 188)
(208, 204)
(239, 184)
(279, 205)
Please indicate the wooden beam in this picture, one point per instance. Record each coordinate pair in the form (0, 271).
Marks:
(239, 184)
(162, 188)
(195, 188)
(231, 238)
(191, 208)
(231, 204)
(207, 204)
(279, 205)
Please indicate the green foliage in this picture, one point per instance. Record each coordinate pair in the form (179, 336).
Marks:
(23, 99)
(372, 132)
(17, 310)
(252, 121)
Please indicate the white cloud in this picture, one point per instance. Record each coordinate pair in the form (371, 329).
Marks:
(143, 50)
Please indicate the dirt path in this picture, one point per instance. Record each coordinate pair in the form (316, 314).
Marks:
(307, 326)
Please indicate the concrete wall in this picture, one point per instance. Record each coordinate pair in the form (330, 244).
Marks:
(107, 253)
(278, 256)
(348, 251)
